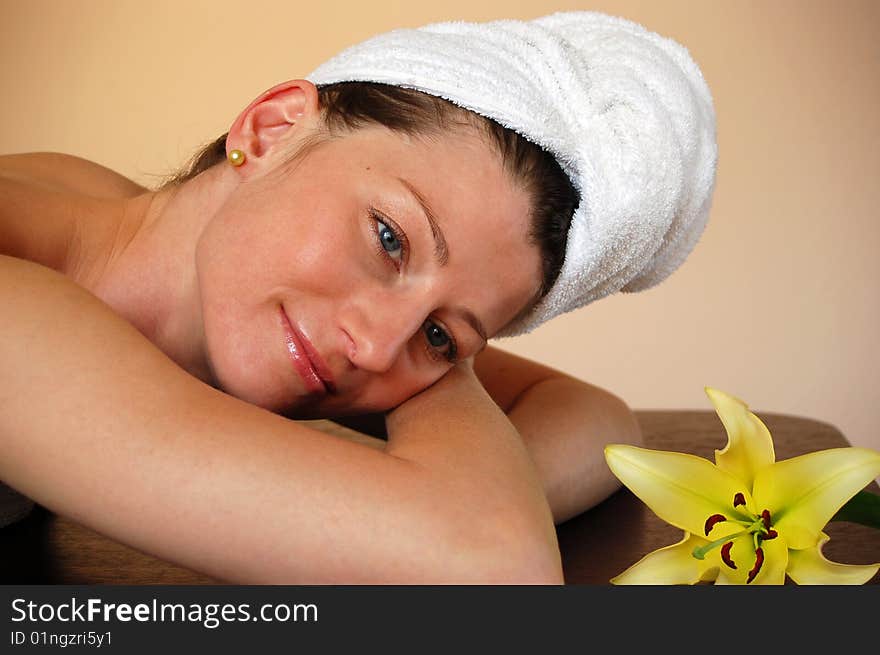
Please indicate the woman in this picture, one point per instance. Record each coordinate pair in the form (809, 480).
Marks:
(347, 255)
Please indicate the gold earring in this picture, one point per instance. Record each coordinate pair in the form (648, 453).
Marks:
(236, 157)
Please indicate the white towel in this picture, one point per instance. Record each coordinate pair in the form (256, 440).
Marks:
(625, 111)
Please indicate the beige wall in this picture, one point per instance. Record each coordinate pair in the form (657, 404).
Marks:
(779, 302)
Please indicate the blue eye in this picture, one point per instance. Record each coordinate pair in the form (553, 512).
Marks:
(440, 340)
(389, 240)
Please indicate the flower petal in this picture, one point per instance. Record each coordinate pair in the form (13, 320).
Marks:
(809, 566)
(683, 490)
(803, 493)
(724, 579)
(668, 565)
(749, 445)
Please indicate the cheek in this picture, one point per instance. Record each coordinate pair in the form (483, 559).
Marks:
(322, 260)
(325, 233)
(237, 236)
(311, 244)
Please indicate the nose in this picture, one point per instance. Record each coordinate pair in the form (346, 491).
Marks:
(380, 326)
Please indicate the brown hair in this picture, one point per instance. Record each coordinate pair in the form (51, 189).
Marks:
(350, 105)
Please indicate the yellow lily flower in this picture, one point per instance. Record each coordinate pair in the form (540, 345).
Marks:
(746, 518)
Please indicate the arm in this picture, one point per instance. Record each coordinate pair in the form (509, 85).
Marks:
(137, 449)
(564, 423)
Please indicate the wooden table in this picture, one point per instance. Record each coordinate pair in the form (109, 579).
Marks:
(595, 546)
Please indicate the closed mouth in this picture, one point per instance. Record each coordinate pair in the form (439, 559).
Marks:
(306, 360)
(318, 364)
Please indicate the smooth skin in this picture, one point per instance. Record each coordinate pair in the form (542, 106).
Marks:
(240, 492)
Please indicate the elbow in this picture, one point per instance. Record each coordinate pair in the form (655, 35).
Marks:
(537, 561)
(621, 427)
(514, 562)
(524, 558)
(627, 429)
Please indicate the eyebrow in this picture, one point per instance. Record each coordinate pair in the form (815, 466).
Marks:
(441, 252)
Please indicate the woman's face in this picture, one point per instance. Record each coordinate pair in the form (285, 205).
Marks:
(353, 278)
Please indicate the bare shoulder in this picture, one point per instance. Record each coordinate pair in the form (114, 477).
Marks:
(60, 210)
(57, 171)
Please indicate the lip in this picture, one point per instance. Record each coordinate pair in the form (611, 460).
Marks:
(306, 360)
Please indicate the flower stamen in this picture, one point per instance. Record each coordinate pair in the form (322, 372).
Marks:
(758, 528)
(712, 520)
(759, 560)
(725, 554)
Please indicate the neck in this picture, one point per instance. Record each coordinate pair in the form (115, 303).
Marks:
(151, 279)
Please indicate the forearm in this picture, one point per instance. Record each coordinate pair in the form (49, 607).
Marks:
(484, 461)
(565, 424)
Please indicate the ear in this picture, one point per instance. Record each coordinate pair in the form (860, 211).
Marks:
(276, 116)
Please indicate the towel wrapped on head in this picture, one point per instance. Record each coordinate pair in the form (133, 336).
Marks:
(625, 111)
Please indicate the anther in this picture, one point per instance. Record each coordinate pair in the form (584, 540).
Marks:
(739, 499)
(759, 560)
(771, 534)
(725, 554)
(765, 516)
(712, 520)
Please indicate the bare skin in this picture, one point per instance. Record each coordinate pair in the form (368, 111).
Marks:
(521, 444)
